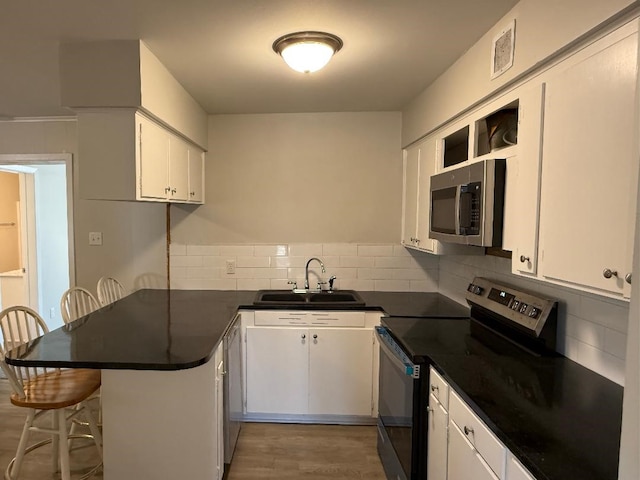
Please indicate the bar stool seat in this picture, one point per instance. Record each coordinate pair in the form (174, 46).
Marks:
(60, 393)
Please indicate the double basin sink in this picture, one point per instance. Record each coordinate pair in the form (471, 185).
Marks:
(287, 297)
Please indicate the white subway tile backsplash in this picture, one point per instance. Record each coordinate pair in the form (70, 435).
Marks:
(392, 262)
(243, 262)
(591, 329)
(235, 250)
(355, 261)
(613, 315)
(254, 284)
(186, 261)
(203, 250)
(392, 285)
(271, 250)
(585, 331)
(615, 343)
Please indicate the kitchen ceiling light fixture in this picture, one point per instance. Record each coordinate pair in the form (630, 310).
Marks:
(307, 52)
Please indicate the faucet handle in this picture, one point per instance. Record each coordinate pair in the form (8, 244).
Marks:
(294, 283)
(319, 287)
(331, 280)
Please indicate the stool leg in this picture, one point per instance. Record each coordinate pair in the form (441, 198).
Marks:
(55, 441)
(64, 444)
(93, 427)
(22, 445)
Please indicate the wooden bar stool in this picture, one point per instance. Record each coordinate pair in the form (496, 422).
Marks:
(109, 290)
(59, 392)
(77, 302)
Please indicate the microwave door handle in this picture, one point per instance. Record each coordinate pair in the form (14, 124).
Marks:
(457, 215)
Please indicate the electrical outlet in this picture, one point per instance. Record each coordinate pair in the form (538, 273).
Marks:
(231, 267)
(52, 313)
(95, 238)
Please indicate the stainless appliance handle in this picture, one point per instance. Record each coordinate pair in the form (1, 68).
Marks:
(407, 368)
(458, 194)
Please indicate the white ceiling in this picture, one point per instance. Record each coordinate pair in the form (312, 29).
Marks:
(220, 50)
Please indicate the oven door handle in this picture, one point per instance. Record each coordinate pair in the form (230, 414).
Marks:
(408, 368)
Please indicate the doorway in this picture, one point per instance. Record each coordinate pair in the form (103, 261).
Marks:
(44, 229)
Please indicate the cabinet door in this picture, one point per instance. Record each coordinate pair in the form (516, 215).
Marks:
(437, 443)
(196, 175)
(178, 170)
(464, 462)
(427, 167)
(522, 195)
(154, 159)
(410, 195)
(277, 370)
(219, 415)
(590, 168)
(515, 470)
(340, 371)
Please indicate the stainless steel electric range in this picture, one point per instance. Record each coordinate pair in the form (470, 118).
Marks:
(406, 344)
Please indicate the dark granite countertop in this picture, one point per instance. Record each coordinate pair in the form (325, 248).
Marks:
(178, 329)
(560, 419)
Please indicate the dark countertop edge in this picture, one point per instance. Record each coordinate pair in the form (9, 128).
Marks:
(114, 365)
(200, 361)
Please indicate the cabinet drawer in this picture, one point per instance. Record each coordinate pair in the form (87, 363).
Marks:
(477, 433)
(438, 388)
(309, 317)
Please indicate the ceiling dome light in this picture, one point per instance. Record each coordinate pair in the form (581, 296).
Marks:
(307, 52)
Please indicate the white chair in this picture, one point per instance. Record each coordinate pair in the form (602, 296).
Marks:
(109, 290)
(77, 302)
(44, 391)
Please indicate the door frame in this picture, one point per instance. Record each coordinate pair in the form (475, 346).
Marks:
(26, 159)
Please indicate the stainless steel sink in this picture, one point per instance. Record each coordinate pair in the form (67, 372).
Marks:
(287, 297)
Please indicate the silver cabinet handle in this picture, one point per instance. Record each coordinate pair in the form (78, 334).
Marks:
(303, 336)
(434, 388)
(608, 273)
(524, 259)
(167, 190)
(468, 430)
(430, 409)
(173, 191)
(627, 278)
(315, 336)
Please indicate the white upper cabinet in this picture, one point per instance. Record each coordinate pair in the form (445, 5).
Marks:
(590, 167)
(410, 195)
(125, 155)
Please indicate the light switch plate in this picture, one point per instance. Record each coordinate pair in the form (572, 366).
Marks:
(95, 238)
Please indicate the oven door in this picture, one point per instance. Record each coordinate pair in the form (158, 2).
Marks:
(398, 397)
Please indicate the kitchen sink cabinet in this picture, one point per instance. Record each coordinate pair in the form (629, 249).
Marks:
(125, 155)
(590, 167)
(515, 470)
(310, 373)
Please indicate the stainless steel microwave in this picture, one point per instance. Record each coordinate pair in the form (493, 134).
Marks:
(467, 204)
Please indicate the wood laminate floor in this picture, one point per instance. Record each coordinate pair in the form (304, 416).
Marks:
(264, 450)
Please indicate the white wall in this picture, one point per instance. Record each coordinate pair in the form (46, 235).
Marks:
(303, 178)
(52, 240)
(542, 28)
(134, 234)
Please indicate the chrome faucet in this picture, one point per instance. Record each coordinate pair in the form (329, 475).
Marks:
(306, 271)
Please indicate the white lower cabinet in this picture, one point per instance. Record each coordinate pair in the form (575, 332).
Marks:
(460, 445)
(515, 470)
(464, 461)
(311, 371)
(219, 412)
